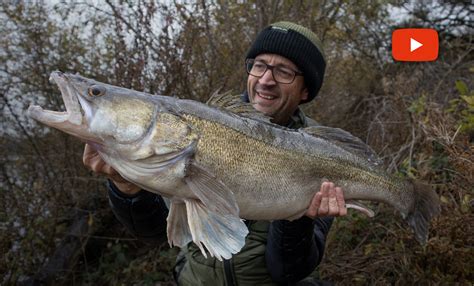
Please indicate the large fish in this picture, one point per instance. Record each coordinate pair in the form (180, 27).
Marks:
(221, 162)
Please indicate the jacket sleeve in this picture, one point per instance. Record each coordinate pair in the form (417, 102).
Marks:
(295, 248)
(143, 214)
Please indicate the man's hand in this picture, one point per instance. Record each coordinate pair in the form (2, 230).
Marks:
(329, 201)
(94, 162)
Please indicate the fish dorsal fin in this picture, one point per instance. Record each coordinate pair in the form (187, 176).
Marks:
(345, 140)
(232, 103)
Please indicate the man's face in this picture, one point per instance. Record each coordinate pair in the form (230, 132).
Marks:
(277, 100)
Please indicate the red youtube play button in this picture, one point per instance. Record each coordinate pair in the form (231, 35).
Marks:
(415, 45)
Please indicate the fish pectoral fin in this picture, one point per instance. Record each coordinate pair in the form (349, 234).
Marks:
(214, 194)
(177, 225)
(221, 234)
(360, 207)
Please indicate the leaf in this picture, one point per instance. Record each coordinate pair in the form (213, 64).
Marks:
(418, 105)
(469, 99)
(462, 87)
(90, 221)
(466, 203)
(368, 249)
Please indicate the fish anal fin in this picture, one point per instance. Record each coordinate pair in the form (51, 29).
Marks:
(345, 140)
(214, 194)
(221, 235)
(177, 225)
(360, 207)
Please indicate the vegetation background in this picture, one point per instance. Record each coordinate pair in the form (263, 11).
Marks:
(55, 223)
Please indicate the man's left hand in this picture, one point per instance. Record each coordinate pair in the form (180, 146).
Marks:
(329, 201)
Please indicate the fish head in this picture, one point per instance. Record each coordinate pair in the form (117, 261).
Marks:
(98, 113)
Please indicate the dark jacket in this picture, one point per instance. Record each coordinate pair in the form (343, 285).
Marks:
(292, 251)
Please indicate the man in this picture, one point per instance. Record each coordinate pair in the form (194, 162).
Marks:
(286, 68)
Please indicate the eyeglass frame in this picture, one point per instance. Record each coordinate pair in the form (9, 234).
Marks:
(271, 67)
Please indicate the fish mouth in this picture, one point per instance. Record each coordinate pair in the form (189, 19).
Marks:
(72, 120)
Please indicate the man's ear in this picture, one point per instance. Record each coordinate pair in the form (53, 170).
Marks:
(304, 95)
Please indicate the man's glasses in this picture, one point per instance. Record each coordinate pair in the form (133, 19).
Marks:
(280, 74)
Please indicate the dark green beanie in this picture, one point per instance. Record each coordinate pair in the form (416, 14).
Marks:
(298, 44)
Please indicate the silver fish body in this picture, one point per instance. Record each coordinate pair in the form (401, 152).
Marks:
(223, 161)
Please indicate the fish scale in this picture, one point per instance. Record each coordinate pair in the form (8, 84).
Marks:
(221, 146)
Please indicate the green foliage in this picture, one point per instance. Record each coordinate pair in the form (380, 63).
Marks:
(406, 169)
(463, 108)
(122, 261)
(418, 106)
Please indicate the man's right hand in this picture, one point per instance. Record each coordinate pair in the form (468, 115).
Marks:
(94, 162)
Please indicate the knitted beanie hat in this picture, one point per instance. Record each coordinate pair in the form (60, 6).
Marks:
(298, 44)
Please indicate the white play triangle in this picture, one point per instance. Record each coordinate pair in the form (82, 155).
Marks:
(414, 44)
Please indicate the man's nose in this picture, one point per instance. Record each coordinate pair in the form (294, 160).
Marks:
(267, 78)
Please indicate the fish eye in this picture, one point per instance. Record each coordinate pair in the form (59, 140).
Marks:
(96, 90)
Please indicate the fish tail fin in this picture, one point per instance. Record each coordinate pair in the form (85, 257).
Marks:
(425, 207)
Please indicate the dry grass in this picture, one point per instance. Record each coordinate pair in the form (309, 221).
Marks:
(419, 137)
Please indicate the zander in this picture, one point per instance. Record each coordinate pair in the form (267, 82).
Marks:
(223, 161)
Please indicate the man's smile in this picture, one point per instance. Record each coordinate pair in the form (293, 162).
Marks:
(265, 94)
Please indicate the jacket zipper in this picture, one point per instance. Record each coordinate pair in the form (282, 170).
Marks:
(229, 273)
